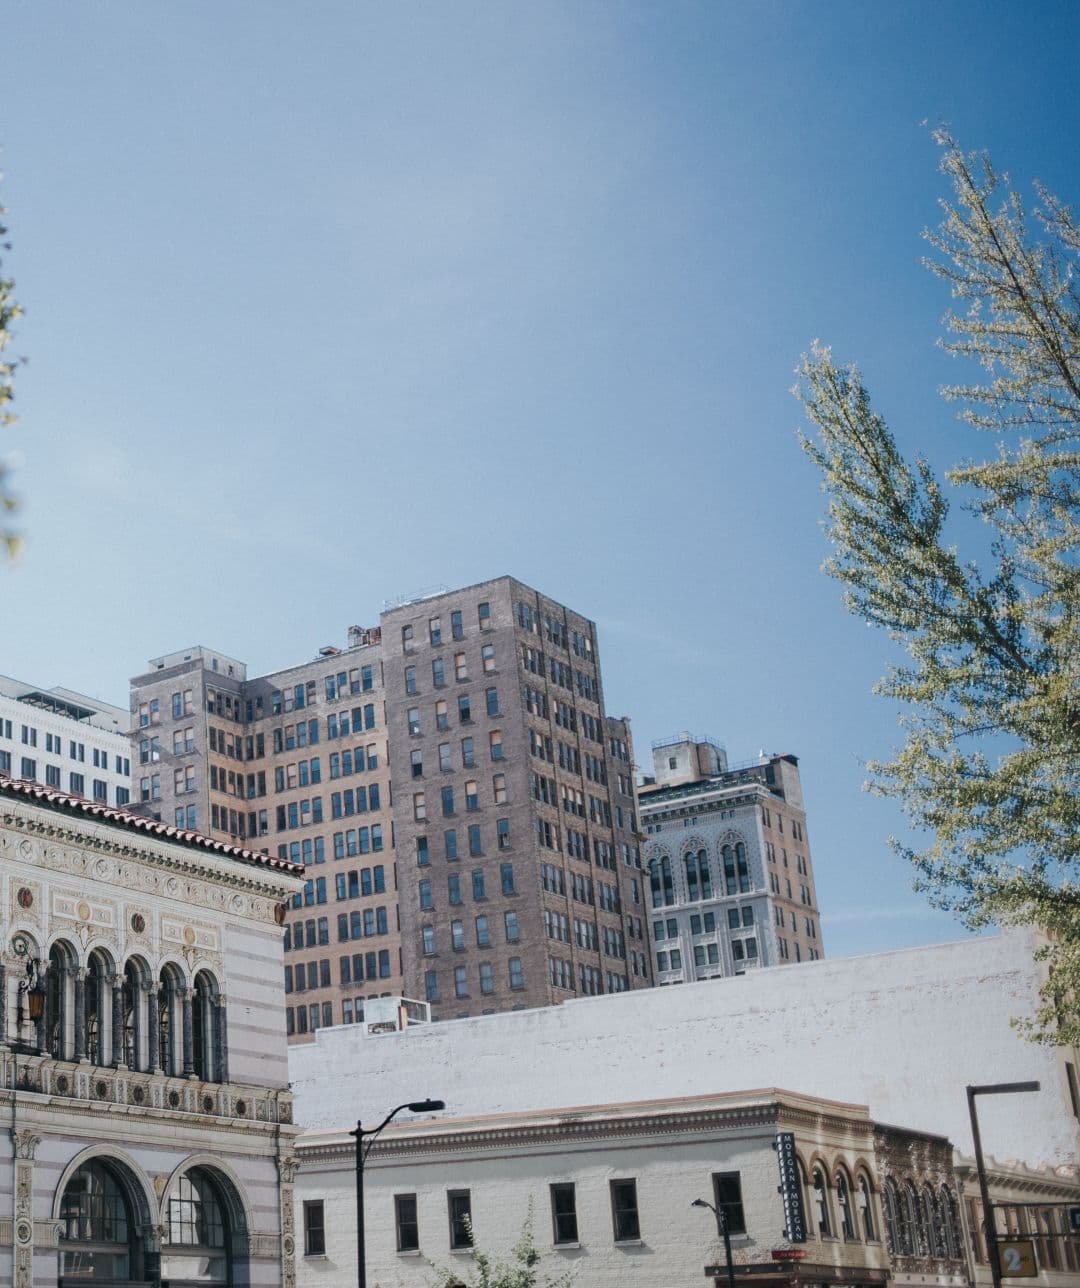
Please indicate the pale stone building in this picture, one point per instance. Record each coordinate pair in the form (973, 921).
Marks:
(142, 1052)
(730, 874)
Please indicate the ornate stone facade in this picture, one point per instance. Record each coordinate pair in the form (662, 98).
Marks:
(142, 1051)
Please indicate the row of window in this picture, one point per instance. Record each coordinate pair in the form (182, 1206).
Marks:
(54, 746)
(99, 788)
(457, 627)
(485, 975)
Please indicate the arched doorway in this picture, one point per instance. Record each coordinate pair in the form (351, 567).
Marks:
(205, 1235)
(103, 1224)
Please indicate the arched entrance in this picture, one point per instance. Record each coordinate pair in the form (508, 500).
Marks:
(205, 1235)
(104, 1222)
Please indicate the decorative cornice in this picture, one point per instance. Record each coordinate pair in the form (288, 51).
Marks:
(168, 856)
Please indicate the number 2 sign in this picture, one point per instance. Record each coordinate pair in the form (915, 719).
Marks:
(1016, 1257)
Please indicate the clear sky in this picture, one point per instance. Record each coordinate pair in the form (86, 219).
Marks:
(333, 302)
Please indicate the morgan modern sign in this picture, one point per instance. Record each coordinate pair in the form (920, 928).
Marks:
(790, 1188)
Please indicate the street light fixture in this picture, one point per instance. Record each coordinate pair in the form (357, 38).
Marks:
(989, 1225)
(722, 1229)
(362, 1151)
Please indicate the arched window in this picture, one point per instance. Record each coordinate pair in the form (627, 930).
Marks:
(820, 1195)
(691, 877)
(931, 1223)
(98, 1007)
(132, 1041)
(950, 1224)
(666, 878)
(197, 1232)
(893, 1229)
(705, 874)
(866, 1208)
(843, 1199)
(207, 1028)
(60, 1002)
(728, 856)
(169, 1022)
(654, 883)
(744, 871)
(100, 1235)
(911, 1235)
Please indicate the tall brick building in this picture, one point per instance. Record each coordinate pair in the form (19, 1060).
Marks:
(462, 805)
(518, 862)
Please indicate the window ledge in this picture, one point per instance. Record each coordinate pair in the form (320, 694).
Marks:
(315, 1256)
(408, 1252)
(629, 1243)
(565, 1247)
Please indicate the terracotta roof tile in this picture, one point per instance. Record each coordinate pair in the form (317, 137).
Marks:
(137, 822)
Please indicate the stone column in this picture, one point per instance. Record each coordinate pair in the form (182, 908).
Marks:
(153, 1038)
(3, 1004)
(80, 1013)
(25, 1143)
(116, 982)
(221, 1026)
(188, 1032)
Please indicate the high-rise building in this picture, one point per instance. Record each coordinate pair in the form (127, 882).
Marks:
(514, 817)
(293, 763)
(728, 867)
(65, 740)
(462, 804)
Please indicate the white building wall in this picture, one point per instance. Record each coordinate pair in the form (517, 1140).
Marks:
(903, 1032)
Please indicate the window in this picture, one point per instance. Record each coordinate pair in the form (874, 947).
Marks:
(472, 796)
(624, 1211)
(408, 1230)
(495, 744)
(428, 938)
(442, 718)
(498, 787)
(414, 719)
(478, 883)
(410, 679)
(461, 667)
(431, 985)
(419, 807)
(819, 1195)
(847, 1212)
(517, 975)
(416, 759)
(483, 615)
(502, 831)
(314, 1229)
(564, 1213)
(459, 1210)
(483, 936)
(435, 631)
(506, 877)
(424, 892)
(438, 674)
(447, 800)
(727, 1189)
(491, 698)
(511, 925)
(476, 847)
(456, 628)
(464, 708)
(468, 755)
(487, 654)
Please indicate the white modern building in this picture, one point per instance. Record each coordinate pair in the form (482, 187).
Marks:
(901, 1032)
(66, 741)
(142, 1053)
(730, 877)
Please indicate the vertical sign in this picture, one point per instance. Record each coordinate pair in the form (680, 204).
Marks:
(790, 1187)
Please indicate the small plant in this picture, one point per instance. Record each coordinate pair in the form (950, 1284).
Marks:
(521, 1270)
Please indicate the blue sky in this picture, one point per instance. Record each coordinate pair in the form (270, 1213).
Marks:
(335, 302)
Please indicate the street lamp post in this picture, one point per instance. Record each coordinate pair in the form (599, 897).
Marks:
(414, 1107)
(989, 1225)
(722, 1229)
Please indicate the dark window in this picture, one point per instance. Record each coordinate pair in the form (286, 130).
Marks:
(564, 1213)
(624, 1210)
(727, 1189)
(408, 1231)
(459, 1206)
(314, 1230)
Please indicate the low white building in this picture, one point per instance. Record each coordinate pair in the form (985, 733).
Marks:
(902, 1032)
(143, 1071)
(65, 740)
(611, 1192)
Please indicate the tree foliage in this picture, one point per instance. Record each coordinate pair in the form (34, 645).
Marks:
(9, 311)
(522, 1270)
(990, 764)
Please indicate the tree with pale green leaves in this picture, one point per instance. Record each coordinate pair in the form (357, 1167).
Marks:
(989, 768)
(9, 311)
(522, 1270)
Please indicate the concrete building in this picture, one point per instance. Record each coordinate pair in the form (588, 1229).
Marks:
(903, 1032)
(142, 1052)
(65, 740)
(295, 763)
(731, 879)
(611, 1191)
(514, 816)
